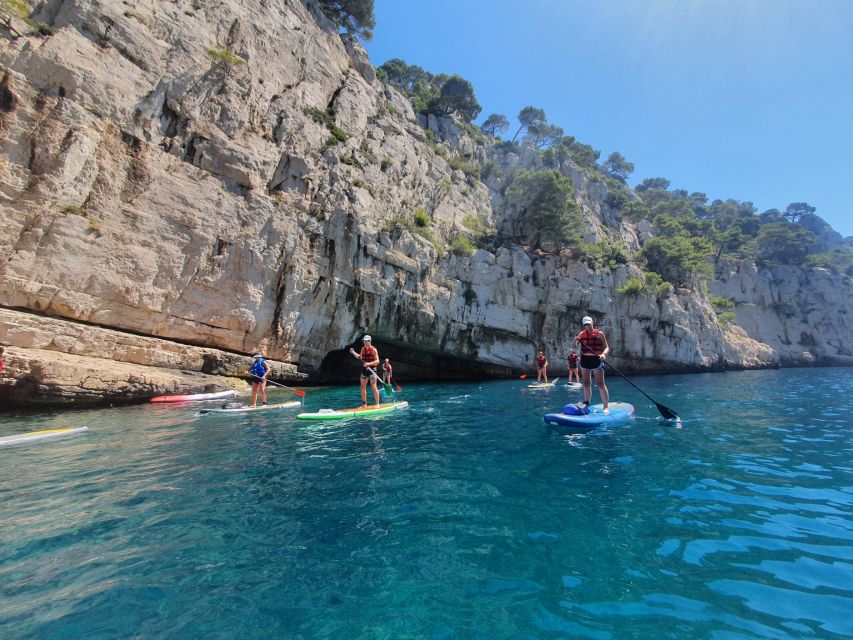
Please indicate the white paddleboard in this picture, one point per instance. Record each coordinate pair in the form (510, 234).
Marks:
(195, 397)
(35, 436)
(261, 407)
(543, 385)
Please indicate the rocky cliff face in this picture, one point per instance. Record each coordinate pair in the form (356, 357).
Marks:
(187, 183)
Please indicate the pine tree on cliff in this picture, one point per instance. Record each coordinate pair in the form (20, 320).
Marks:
(354, 16)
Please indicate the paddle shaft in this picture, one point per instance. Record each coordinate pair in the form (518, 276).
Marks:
(664, 410)
(278, 384)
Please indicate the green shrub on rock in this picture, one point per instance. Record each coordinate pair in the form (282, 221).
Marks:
(220, 54)
(462, 246)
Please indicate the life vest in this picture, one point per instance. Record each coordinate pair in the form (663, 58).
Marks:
(386, 367)
(573, 358)
(541, 360)
(592, 342)
(368, 354)
(258, 368)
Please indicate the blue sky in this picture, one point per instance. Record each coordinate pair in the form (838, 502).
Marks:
(744, 99)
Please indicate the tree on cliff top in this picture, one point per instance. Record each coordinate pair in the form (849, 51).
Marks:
(784, 243)
(543, 208)
(456, 97)
(438, 94)
(495, 124)
(652, 183)
(616, 166)
(797, 209)
(354, 16)
(530, 117)
(398, 73)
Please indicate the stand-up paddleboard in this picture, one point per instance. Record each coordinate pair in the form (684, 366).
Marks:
(35, 436)
(247, 407)
(340, 414)
(543, 385)
(619, 412)
(195, 397)
(574, 385)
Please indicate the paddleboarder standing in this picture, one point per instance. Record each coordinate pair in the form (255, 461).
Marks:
(259, 372)
(541, 367)
(594, 350)
(573, 367)
(386, 371)
(369, 357)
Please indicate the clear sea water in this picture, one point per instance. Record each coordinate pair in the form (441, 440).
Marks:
(462, 517)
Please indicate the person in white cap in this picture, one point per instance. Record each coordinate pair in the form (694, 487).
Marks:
(594, 350)
(369, 357)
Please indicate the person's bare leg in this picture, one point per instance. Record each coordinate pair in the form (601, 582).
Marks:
(587, 385)
(602, 389)
(375, 390)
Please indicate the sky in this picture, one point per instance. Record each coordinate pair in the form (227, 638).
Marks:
(743, 99)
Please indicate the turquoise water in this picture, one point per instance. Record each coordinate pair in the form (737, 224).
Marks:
(462, 517)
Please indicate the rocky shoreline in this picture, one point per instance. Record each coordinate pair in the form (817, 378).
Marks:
(52, 362)
(168, 210)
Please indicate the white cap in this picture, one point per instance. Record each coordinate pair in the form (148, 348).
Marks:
(366, 338)
(587, 320)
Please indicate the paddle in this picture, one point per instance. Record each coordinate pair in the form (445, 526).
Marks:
(665, 411)
(388, 388)
(277, 384)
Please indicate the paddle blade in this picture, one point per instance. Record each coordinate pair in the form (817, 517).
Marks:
(523, 376)
(666, 412)
(399, 388)
(298, 392)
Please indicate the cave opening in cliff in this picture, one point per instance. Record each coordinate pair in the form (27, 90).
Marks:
(411, 363)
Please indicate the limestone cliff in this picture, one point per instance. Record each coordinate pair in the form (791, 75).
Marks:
(185, 182)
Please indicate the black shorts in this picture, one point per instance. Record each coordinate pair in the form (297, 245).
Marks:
(590, 363)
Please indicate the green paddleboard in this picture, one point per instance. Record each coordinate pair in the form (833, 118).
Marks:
(355, 412)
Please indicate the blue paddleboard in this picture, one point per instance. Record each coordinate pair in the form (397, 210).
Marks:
(619, 412)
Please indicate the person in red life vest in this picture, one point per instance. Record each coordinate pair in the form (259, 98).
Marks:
(2, 359)
(594, 350)
(573, 367)
(541, 367)
(369, 357)
(386, 371)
